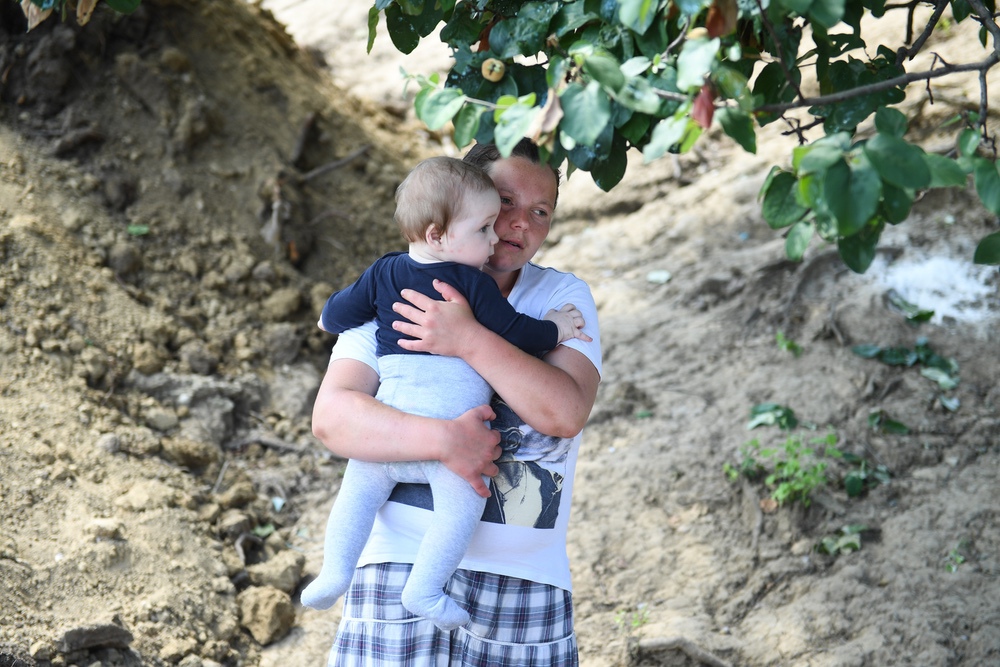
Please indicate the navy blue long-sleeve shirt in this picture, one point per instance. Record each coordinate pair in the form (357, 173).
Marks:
(371, 297)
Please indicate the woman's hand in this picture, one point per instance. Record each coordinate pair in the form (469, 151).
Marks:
(473, 448)
(447, 328)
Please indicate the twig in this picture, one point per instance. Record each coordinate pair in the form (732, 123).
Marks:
(682, 644)
(333, 166)
(758, 524)
(266, 441)
(680, 37)
(932, 22)
(774, 37)
(218, 480)
(238, 545)
(834, 327)
(305, 133)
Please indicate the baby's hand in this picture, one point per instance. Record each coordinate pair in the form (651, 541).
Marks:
(569, 321)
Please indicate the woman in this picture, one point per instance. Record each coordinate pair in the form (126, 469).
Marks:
(515, 580)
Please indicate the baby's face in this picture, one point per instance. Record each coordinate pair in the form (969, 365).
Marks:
(470, 237)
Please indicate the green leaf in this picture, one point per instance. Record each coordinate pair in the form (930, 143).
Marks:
(605, 70)
(402, 32)
(817, 158)
(780, 207)
(910, 311)
(585, 112)
(695, 62)
(798, 240)
(945, 172)
(440, 106)
(950, 403)
(867, 351)
(854, 484)
(827, 12)
(637, 94)
(944, 379)
(862, 194)
(373, 15)
(988, 250)
(770, 414)
(124, 6)
(637, 15)
(607, 173)
(739, 126)
(512, 126)
(467, 124)
(898, 162)
(988, 184)
(897, 356)
(968, 142)
(891, 121)
(858, 251)
(667, 133)
(896, 203)
(525, 32)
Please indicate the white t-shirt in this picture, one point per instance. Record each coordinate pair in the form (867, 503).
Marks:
(523, 531)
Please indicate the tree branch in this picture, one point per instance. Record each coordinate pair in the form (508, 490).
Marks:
(879, 86)
(932, 22)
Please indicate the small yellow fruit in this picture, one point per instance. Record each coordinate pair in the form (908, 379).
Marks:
(698, 33)
(493, 69)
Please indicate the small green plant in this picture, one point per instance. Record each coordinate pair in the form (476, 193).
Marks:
(844, 541)
(787, 344)
(864, 476)
(630, 620)
(880, 422)
(956, 557)
(772, 414)
(793, 471)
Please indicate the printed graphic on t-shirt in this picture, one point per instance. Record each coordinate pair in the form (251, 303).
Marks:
(528, 488)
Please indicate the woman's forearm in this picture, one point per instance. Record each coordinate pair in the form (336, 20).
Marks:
(553, 395)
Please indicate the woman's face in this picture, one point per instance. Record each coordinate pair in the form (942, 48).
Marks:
(527, 202)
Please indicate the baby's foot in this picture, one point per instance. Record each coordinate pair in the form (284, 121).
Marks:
(438, 608)
(323, 591)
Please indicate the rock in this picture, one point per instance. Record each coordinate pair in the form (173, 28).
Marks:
(124, 258)
(198, 357)
(108, 529)
(174, 59)
(238, 495)
(281, 305)
(294, 389)
(147, 358)
(234, 523)
(109, 634)
(161, 419)
(191, 453)
(175, 649)
(109, 443)
(283, 571)
(146, 495)
(266, 612)
(282, 341)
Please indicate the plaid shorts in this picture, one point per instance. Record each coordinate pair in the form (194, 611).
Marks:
(514, 622)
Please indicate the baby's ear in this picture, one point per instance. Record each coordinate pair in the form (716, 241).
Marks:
(433, 235)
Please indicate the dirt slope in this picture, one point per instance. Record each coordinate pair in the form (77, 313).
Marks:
(165, 242)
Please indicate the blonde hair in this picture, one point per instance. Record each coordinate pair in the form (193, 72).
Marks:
(432, 194)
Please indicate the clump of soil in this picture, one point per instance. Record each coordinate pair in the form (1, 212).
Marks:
(181, 189)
